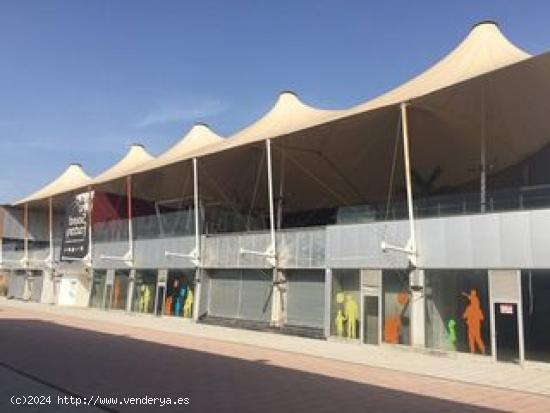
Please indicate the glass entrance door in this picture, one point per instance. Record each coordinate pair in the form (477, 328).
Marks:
(370, 320)
(506, 331)
(160, 299)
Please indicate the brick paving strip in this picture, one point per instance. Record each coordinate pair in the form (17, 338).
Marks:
(506, 387)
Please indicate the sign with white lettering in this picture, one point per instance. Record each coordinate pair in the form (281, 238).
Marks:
(75, 231)
(506, 309)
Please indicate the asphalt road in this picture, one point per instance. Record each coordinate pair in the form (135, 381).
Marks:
(43, 355)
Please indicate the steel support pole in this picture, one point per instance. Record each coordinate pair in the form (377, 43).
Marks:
(130, 217)
(196, 208)
(276, 305)
(410, 201)
(90, 233)
(26, 229)
(198, 270)
(270, 195)
(50, 229)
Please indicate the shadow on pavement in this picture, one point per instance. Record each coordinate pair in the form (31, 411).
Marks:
(86, 363)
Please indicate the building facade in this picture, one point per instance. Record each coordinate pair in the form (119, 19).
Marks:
(420, 218)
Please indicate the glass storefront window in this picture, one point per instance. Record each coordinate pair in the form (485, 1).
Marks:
(144, 291)
(120, 289)
(396, 307)
(457, 310)
(180, 293)
(97, 295)
(345, 304)
(535, 287)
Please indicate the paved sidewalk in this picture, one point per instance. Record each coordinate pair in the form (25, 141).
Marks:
(477, 370)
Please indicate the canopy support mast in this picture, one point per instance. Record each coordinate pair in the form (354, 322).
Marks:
(50, 259)
(127, 258)
(90, 234)
(271, 201)
(270, 253)
(410, 248)
(194, 255)
(25, 260)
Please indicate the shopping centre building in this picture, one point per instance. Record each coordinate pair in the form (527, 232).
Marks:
(419, 218)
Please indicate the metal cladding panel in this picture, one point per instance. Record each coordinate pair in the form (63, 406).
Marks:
(371, 279)
(504, 285)
(501, 241)
(303, 248)
(224, 251)
(11, 257)
(515, 240)
(110, 249)
(485, 240)
(39, 254)
(539, 228)
(306, 298)
(256, 293)
(150, 253)
(359, 246)
(431, 237)
(224, 293)
(458, 233)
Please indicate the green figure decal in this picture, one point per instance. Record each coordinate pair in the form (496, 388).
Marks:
(451, 334)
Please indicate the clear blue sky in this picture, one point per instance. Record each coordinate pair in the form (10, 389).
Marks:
(81, 79)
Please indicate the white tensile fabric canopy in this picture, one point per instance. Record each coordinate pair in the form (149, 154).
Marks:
(198, 137)
(485, 49)
(72, 178)
(134, 158)
(484, 69)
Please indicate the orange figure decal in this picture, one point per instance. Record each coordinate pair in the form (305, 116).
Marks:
(474, 317)
(392, 326)
(168, 306)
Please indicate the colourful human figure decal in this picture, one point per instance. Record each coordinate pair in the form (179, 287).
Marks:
(188, 306)
(474, 317)
(392, 327)
(392, 323)
(146, 298)
(116, 293)
(168, 306)
(141, 300)
(339, 321)
(451, 334)
(351, 312)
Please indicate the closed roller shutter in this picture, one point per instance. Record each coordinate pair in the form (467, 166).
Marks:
(36, 289)
(16, 286)
(240, 294)
(224, 294)
(256, 295)
(305, 298)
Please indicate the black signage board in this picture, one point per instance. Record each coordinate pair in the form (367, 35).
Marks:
(75, 230)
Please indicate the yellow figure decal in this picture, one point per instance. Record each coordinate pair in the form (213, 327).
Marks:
(188, 306)
(351, 312)
(340, 320)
